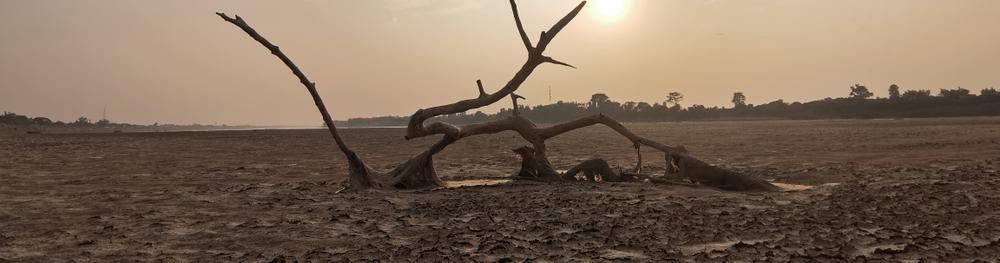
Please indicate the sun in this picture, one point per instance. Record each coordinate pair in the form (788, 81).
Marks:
(610, 10)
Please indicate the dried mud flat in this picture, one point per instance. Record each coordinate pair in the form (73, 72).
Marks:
(882, 189)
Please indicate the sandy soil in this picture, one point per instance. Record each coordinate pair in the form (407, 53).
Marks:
(882, 189)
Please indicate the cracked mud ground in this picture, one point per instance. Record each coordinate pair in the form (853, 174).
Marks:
(882, 189)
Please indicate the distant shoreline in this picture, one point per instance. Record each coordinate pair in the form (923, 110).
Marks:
(9, 129)
(15, 129)
(740, 120)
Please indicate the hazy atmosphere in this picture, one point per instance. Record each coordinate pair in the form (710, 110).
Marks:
(176, 62)
(601, 131)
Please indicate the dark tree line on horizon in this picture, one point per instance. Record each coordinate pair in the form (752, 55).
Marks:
(84, 124)
(11, 118)
(859, 104)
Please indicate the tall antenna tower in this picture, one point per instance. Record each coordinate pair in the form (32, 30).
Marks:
(550, 94)
(104, 114)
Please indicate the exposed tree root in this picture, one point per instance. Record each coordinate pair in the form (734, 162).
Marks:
(418, 172)
(593, 168)
(533, 167)
(359, 176)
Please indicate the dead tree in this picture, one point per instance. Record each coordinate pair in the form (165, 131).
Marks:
(418, 171)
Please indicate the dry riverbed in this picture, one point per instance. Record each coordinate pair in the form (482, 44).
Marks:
(877, 189)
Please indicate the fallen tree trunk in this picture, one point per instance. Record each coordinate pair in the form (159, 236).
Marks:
(418, 171)
(706, 174)
(688, 166)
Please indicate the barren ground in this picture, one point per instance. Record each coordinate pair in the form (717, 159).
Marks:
(883, 189)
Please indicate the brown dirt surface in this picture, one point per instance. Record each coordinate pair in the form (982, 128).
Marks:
(881, 189)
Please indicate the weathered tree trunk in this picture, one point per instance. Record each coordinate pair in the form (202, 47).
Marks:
(706, 174)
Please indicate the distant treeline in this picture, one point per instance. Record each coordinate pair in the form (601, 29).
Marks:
(859, 104)
(83, 124)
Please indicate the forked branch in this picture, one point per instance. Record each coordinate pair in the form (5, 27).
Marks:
(520, 27)
(482, 91)
(416, 128)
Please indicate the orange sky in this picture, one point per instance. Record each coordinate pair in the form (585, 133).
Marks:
(176, 62)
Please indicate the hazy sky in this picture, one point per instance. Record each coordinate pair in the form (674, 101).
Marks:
(176, 62)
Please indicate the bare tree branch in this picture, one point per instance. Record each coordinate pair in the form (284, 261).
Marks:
(359, 172)
(554, 61)
(530, 132)
(638, 157)
(416, 128)
(558, 129)
(520, 28)
(547, 36)
(515, 109)
(482, 91)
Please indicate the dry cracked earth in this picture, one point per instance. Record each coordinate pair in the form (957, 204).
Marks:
(896, 190)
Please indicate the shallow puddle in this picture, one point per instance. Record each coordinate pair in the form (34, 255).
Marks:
(693, 249)
(792, 187)
(476, 182)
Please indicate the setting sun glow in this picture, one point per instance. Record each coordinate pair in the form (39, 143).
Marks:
(610, 10)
